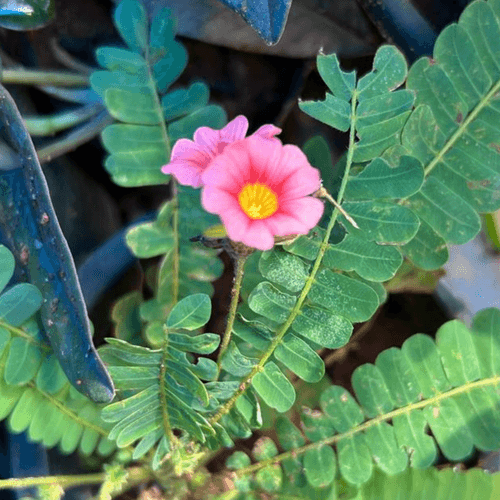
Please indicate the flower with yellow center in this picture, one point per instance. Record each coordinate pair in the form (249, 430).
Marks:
(258, 201)
(260, 190)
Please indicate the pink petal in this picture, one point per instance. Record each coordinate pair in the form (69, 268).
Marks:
(236, 223)
(267, 132)
(282, 224)
(291, 160)
(301, 183)
(216, 201)
(185, 173)
(206, 136)
(182, 147)
(258, 235)
(231, 169)
(264, 156)
(307, 210)
(235, 130)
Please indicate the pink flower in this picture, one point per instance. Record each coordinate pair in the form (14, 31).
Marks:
(190, 158)
(259, 189)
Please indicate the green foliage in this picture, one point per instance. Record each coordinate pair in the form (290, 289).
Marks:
(452, 132)
(197, 266)
(134, 88)
(421, 165)
(35, 394)
(447, 386)
(162, 389)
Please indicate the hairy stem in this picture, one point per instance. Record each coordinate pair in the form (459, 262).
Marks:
(374, 422)
(298, 305)
(235, 295)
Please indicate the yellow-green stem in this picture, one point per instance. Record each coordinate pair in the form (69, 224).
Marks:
(296, 309)
(136, 475)
(176, 256)
(235, 295)
(163, 398)
(36, 77)
(374, 422)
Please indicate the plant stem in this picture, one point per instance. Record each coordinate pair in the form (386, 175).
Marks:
(434, 401)
(175, 198)
(309, 282)
(51, 124)
(164, 406)
(36, 77)
(235, 295)
(176, 257)
(75, 138)
(135, 475)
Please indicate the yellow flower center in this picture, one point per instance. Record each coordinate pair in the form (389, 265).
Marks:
(258, 201)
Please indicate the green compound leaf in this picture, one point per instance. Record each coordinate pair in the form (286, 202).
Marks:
(389, 72)
(427, 249)
(381, 221)
(380, 180)
(37, 398)
(7, 264)
(458, 149)
(190, 313)
(132, 22)
(448, 386)
(371, 261)
(339, 82)
(296, 355)
(268, 301)
(19, 303)
(446, 119)
(134, 90)
(140, 412)
(284, 269)
(320, 466)
(350, 298)
(447, 483)
(274, 388)
(150, 239)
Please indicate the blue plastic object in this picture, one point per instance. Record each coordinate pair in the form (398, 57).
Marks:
(266, 17)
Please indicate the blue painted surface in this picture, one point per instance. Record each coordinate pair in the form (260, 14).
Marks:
(266, 17)
(29, 228)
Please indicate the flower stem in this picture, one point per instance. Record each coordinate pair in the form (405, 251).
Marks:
(235, 295)
(36, 77)
(298, 305)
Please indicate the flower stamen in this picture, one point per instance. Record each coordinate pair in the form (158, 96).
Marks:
(258, 201)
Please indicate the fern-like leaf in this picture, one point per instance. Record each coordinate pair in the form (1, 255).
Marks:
(134, 88)
(198, 266)
(35, 394)
(162, 390)
(453, 130)
(448, 386)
